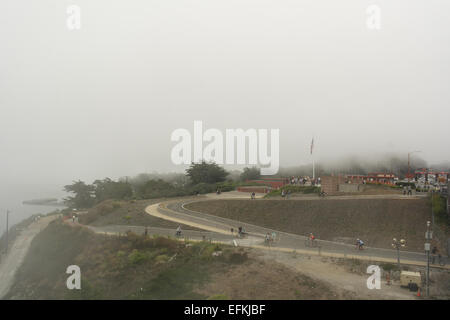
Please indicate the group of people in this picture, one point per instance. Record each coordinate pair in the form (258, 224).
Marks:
(241, 232)
(285, 194)
(304, 180)
(270, 238)
(407, 190)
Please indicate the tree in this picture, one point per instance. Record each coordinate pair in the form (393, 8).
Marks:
(158, 189)
(206, 173)
(83, 195)
(253, 173)
(109, 189)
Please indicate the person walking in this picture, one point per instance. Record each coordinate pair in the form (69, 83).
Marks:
(434, 251)
(267, 239)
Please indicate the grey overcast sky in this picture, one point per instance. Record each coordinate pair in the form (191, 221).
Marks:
(103, 100)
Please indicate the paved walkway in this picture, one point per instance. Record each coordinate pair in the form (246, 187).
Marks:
(175, 211)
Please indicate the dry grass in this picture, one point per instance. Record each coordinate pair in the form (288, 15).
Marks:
(138, 267)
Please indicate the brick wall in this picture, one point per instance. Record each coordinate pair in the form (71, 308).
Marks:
(255, 189)
(330, 184)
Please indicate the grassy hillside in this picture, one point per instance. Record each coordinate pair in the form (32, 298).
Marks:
(376, 221)
(137, 267)
(115, 212)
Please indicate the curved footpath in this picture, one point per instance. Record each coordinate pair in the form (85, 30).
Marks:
(218, 228)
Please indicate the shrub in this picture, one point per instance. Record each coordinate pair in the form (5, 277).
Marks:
(162, 258)
(439, 205)
(136, 257)
(294, 189)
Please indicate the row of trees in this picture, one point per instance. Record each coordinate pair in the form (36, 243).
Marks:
(201, 177)
(87, 195)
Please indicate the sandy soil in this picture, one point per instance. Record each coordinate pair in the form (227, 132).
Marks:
(337, 276)
(267, 279)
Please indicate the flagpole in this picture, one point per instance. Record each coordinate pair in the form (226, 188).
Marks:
(314, 172)
(312, 155)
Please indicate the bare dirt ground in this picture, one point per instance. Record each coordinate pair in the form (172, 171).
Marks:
(376, 221)
(267, 279)
(338, 276)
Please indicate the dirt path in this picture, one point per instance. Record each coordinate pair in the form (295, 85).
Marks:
(17, 252)
(324, 269)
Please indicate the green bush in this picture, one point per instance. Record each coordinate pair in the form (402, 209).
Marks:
(402, 184)
(136, 256)
(388, 266)
(162, 258)
(439, 205)
(294, 189)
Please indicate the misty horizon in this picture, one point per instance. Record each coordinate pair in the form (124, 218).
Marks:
(103, 101)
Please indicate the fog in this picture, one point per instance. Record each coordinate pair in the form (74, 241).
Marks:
(102, 101)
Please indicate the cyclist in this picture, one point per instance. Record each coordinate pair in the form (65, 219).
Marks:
(178, 233)
(312, 238)
(360, 244)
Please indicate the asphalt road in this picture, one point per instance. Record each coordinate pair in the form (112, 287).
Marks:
(174, 210)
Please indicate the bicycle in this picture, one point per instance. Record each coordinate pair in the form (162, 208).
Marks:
(310, 242)
(242, 235)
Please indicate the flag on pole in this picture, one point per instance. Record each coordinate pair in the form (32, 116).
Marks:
(312, 145)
